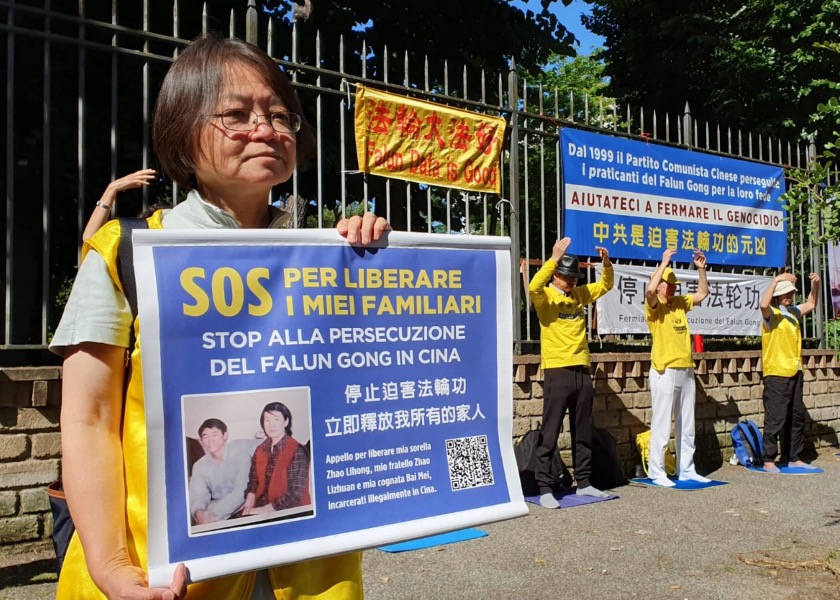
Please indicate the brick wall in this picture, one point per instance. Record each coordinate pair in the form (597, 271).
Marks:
(729, 389)
(30, 452)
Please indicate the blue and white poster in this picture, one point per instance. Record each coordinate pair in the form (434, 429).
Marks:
(636, 199)
(305, 397)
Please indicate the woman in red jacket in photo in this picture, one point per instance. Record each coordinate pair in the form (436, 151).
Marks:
(279, 468)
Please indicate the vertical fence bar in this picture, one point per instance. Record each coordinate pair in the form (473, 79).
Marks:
(175, 34)
(114, 101)
(147, 99)
(344, 105)
(426, 87)
(816, 258)
(558, 168)
(502, 183)
(513, 104)
(407, 84)
(525, 222)
(45, 189)
(385, 74)
(80, 113)
(542, 170)
(295, 176)
(448, 190)
(319, 146)
(10, 173)
(251, 23)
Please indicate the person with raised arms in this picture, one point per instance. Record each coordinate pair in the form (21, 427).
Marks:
(672, 387)
(564, 352)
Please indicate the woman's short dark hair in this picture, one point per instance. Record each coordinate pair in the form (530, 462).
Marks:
(277, 407)
(191, 90)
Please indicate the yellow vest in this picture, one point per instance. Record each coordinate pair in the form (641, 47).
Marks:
(669, 330)
(781, 343)
(334, 578)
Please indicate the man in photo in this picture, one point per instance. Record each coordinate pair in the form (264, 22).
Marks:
(219, 478)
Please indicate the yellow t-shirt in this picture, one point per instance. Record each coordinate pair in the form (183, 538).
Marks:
(781, 342)
(669, 329)
(563, 317)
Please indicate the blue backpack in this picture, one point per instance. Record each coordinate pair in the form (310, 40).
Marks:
(747, 443)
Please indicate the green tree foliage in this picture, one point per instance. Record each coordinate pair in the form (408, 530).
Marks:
(748, 64)
(481, 34)
(813, 195)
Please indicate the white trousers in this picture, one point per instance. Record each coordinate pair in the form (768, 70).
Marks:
(671, 395)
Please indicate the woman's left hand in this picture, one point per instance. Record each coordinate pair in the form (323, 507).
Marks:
(364, 230)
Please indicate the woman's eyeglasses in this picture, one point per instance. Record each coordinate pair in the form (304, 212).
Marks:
(239, 119)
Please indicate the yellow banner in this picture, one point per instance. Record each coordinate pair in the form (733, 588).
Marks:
(421, 141)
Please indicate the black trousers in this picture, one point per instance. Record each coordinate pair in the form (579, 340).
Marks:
(566, 388)
(784, 414)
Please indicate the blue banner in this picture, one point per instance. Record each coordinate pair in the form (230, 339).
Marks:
(387, 361)
(637, 199)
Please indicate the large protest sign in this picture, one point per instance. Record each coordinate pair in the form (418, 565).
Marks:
(731, 308)
(638, 199)
(394, 366)
(398, 136)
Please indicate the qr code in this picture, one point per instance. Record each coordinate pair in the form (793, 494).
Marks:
(469, 462)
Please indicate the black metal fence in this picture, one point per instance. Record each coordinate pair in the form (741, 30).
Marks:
(81, 82)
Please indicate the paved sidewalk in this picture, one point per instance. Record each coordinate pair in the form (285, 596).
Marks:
(650, 543)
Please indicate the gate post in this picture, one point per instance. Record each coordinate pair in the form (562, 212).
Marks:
(816, 262)
(513, 102)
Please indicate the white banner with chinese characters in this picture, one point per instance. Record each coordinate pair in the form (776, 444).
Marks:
(731, 309)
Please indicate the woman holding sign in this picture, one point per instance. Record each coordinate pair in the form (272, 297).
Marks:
(227, 128)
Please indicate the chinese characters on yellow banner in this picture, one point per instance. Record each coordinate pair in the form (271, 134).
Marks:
(401, 137)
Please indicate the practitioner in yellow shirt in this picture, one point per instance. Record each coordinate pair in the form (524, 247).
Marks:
(672, 368)
(565, 362)
(781, 358)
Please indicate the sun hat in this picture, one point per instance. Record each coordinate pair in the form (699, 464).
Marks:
(783, 287)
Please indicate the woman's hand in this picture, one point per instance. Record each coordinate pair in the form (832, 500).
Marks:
(667, 255)
(134, 180)
(129, 582)
(364, 230)
(699, 260)
(265, 508)
(250, 500)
